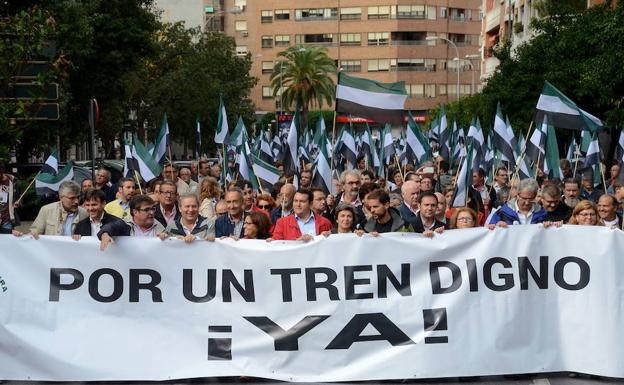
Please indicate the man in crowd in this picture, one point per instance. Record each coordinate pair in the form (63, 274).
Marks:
(501, 178)
(306, 179)
(59, 218)
(522, 210)
(94, 202)
(221, 208)
(7, 201)
(384, 219)
(368, 176)
(607, 211)
(102, 179)
(190, 225)
(589, 192)
(284, 202)
(185, 183)
(303, 224)
(215, 171)
(556, 210)
(142, 224)
(409, 206)
(231, 224)
(120, 207)
(351, 180)
(167, 209)
(426, 183)
(441, 209)
(486, 193)
(169, 172)
(571, 192)
(319, 204)
(426, 222)
(203, 171)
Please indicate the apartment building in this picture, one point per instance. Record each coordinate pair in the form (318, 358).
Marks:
(383, 40)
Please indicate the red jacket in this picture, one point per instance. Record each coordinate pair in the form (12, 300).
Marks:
(287, 228)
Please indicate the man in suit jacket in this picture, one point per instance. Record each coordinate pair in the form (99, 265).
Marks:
(59, 218)
(426, 222)
(94, 202)
(302, 225)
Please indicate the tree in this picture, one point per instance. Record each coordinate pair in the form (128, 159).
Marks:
(303, 75)
(577, 50)
(186, 78)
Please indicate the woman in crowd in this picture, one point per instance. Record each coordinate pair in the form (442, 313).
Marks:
(585, 213)
(256, 226)
(265, 202)
(209, 194)
(463, 218)
(345, 220)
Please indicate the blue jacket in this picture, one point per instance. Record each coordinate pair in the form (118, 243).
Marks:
(510, 216)
(224, 227)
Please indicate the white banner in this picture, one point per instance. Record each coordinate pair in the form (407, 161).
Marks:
(465, 303)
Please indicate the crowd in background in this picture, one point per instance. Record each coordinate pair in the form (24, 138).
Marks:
(193, 204)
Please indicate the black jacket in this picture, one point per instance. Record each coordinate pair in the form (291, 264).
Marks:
(418, 226)
(561, 213)
(83, 227)
(158, 215)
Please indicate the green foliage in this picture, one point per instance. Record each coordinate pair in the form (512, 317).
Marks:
(304, 73)
(314, 116)
(578, 52)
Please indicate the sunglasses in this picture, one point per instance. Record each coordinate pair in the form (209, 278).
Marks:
(264, 207)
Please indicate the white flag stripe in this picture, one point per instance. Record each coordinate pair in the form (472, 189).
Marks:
(371, 99)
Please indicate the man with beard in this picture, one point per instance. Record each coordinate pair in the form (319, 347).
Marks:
(59, 218)
(121, 207)
(142, 224)
(383, 218)
(571, 192)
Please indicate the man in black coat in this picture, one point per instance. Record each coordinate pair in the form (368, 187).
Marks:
(94, 202)
(425, 221)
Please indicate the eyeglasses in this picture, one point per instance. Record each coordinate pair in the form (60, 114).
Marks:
(525, 198)
(465, 219)
(148, 209)
(264, 207)
(168, 193)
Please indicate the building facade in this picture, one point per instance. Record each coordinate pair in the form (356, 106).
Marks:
(383, 40)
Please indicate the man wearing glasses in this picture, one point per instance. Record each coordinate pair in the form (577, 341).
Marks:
(142, 224)
(120, 207)
(556, 210)
(59, 218)
(167, 211)
(522, 210)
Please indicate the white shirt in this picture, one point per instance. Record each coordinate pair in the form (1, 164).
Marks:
(96, 226)
(524, 219)
(614, 222)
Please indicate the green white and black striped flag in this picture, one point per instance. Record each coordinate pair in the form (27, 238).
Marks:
(47, 184)
(149, 168)
(563, 112)
(381, 102)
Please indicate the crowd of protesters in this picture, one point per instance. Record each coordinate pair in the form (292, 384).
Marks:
(192, 204)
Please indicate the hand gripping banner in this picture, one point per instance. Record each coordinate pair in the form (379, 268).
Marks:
(465, 303)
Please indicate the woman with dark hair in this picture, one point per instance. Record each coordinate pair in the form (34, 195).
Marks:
(256, 226)
(346, 218)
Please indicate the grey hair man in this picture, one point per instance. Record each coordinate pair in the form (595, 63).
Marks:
(351, 180)
(60, 218)
(523, 209)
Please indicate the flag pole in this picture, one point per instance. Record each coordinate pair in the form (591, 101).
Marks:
(517, 170)
(331, 156)
(604, 182)
(136, 177)
(396, 159)
(170, 162)
(27, 188)
(259, 185)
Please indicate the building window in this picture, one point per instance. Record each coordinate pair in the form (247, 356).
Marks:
(352, 13)
(442, 89)
(267, 41)
(266, 16)
(415, 90)
(267, 92)
(241, 50)
(311, 14)
(240, 4)
(282, 14)
(379, 12)
(430, 90)
(350, 39)
(282, 40)
(378, 38)
(315, 38)
(240, 25)
(410, 12)
(431, 13)
(460, 14)
(380, 65)
(443, 13)
(351, 65)
(267, 67)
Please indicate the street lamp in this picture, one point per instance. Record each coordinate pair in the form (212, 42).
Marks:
(210, 20)
(456, 55)
(470, 57)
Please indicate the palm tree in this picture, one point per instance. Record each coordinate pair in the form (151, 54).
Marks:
(303, 73)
